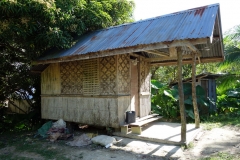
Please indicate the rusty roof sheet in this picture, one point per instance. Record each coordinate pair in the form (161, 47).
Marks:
(189, 24)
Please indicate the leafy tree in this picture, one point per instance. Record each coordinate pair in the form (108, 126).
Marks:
(228, 86)
(29, 28)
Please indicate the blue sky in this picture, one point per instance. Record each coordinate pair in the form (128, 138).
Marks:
(230, 9)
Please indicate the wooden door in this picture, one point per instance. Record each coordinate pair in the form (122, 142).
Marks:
(134, 89)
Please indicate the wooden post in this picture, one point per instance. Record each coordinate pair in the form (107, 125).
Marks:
(181, 98)
(194, 96)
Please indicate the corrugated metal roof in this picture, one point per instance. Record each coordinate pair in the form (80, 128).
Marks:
(189, 24)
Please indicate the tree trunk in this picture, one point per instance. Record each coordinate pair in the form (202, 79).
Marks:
(181, 98)
(194, 96)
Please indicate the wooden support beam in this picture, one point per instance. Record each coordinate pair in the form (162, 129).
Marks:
(181, 99)
(173, 51)
(185, 43)
(194, 95)
(158, 53)
(166, 58)
(139, 48)
(172, 62)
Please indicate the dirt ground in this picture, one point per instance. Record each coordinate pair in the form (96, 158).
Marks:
(215, 141)
(210, 143)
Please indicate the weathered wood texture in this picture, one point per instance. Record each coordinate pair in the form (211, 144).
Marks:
(134, 89)
(86, 110)
(50, 80)
(22, 106)
(181, 98)
(194, 95)
(123, 107)
(145, 89)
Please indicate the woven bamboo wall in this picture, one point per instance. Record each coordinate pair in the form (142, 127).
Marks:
(145, 89)
(123, 74)
(94, 91)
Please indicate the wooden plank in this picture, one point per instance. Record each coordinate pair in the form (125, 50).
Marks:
(181, 99)
(141, 123)
(138, 48)
(145, 93)
(173, 51)
(194, 96)
(124, 129)
(50, 80)
(136, 130)
(166, 58)
(187, 61)
(147, 117)
(158, 53)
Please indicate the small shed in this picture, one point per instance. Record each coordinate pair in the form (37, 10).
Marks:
(107, 72)
(208, 82)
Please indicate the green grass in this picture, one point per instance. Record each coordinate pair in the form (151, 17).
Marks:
(223, 156)
(28, 144)
(217, 121)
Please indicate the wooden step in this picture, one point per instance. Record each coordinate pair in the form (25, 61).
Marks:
(146, 121)
(146, 117)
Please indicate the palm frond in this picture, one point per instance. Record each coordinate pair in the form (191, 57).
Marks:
(227, 82)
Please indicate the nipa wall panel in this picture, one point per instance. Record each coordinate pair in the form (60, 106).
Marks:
(50, 80)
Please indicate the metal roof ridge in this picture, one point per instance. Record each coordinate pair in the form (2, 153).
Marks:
(157, 17)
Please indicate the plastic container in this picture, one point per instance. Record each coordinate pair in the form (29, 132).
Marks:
(130, 117)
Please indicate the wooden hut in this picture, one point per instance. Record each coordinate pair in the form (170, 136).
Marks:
(208, 82)
(107, 72)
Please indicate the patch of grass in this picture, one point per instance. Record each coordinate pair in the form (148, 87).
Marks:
(217, 121)
(45, 151)
(189, 146)
(222, 156)
(6, 156)
(26, 143)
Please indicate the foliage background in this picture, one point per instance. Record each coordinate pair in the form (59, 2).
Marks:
(30, 28)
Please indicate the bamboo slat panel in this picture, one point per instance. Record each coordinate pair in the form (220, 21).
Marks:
(23, 104)
(145, 105)
(91, 111)
(90, 77)
(145, 78)
(50, 80)
(124, 105)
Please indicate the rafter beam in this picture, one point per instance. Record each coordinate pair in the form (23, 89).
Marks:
(167, 58)
(158, 53)
(186, 61)
(185, 43)
(189, 45)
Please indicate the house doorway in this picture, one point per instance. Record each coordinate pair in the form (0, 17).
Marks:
(134, 87)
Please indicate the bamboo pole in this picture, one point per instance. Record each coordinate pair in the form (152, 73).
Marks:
(181, 98)
(194, 96)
